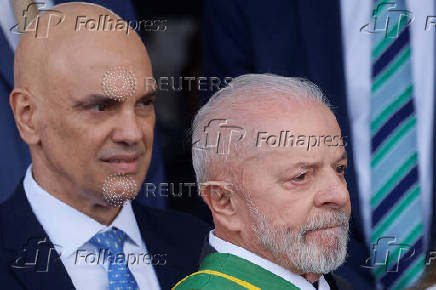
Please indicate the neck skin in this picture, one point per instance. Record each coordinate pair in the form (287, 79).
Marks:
(237, 239)
(63, 189)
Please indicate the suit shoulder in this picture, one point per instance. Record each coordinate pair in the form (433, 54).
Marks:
(178, 222)
(174, 216)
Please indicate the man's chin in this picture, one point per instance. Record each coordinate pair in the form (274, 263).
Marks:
(328, 238)
(319, 258)
(118, 188)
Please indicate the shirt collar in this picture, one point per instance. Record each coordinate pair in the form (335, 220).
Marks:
(222, 246)
(68, 228)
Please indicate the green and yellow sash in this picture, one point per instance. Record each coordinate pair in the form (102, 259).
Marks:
(227, 271)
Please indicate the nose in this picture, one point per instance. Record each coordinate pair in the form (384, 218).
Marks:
(127, 131)
(333, 192)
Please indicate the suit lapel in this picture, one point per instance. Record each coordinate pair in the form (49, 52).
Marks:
(159, 244)
(206, 250)
(34, 262)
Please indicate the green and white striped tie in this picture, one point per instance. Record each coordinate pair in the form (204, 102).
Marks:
(396, 226)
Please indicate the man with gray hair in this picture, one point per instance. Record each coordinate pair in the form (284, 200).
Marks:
(270, 160)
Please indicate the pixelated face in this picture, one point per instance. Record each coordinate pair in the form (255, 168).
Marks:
(98, 132)
(298, 193)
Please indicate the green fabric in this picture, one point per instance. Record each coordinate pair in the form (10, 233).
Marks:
(236, 267)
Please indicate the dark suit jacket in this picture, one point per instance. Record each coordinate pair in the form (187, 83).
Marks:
(290, 38)
(175, 238)
(335, 282)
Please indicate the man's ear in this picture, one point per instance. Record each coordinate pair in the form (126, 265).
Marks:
(223, 203)
(23, 106)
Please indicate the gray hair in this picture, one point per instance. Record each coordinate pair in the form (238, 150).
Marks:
(241, 92)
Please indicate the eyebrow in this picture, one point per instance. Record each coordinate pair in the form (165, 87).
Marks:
(92, 98)
(99, 98)
(149, 95)
(343, 157)
(305, 164)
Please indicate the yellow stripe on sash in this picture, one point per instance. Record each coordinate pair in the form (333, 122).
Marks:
(219, 274)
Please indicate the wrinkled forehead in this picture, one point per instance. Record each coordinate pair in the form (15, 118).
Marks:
(113, 67)
(252, 125)
(287, 139)
(308, 133)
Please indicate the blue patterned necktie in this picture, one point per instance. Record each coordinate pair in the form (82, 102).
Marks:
(396, 224)
(119, 275)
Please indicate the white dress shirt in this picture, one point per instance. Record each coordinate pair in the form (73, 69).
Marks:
(355, 14)
(222, 246)
(70, 231)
